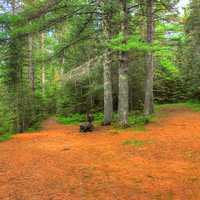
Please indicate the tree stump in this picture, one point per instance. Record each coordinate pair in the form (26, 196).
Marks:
(87, 127)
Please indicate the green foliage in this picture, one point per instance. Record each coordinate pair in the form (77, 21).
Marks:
(5, 137)
(135, 43)
(170, 67)
(9, 19)
(160, 107)
(189, 50)
(136, 120)
(73, 119)
(193, 105)
(98, 117)
(6, 114)
(6, 123)
(169, 27)
(79, 118)
(170, 91)
(139, 120)
(73, 35)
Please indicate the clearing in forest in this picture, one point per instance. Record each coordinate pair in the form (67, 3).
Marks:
(58, 163)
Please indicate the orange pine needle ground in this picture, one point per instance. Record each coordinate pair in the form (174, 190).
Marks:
(58, 163)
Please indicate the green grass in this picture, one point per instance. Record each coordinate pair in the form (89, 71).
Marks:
(194, 105)
(139, 120)
(135, 143)
(159, 107)
(79, 118)
(5, 137)
(72, 119)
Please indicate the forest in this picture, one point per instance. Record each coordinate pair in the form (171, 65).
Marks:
(68, 57)
(124, 62)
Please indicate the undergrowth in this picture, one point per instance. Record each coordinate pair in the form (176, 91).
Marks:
(79, 118)
(194, 105)
(5, 137)
(136, 120)
(34, 127)
(139, 120)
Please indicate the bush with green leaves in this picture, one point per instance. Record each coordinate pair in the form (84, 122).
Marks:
(139, 120)
(71, 119)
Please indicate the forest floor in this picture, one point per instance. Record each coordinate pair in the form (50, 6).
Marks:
(58, 163)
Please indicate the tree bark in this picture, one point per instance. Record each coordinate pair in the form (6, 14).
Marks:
(108, 96)
(148, 103)
(108, 99)
(31, 65)
(123, 104)
(62, 66)
(43, 66)
(13, 5)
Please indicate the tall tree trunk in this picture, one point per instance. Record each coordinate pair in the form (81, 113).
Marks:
(31, 65)
(13, 5)
(148, 104)
(43, 66)
(123, 104)
(108, 99)
(62, 66)
(15, 78)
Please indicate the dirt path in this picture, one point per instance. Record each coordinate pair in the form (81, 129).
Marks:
(58, 163)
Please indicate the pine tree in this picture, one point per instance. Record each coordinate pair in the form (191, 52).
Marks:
(123, 99)
(148, 103)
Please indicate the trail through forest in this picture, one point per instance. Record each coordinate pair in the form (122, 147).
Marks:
(59, 163)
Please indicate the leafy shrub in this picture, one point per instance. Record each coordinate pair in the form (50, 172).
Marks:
(139, 120)
(98, 117)
(6, 118)
(72, 119)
